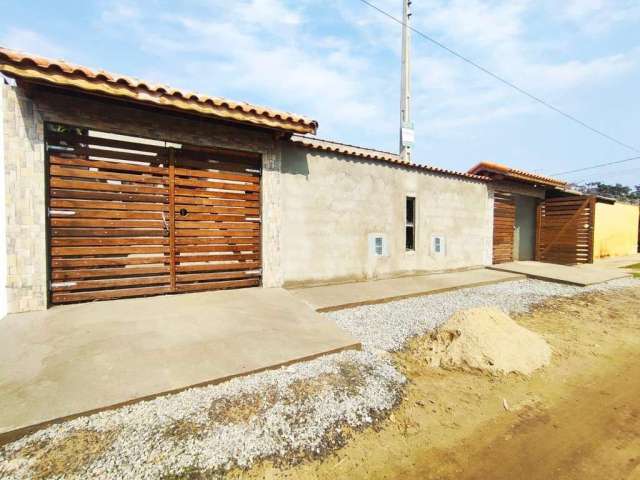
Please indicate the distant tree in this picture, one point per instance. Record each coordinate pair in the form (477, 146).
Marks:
(617, 191)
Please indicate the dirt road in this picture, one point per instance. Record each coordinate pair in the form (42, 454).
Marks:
(577, 419)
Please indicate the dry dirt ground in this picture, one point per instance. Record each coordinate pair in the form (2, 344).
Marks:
(579, 418)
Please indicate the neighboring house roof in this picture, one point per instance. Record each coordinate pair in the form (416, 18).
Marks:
(368, 153)
(58, 72)
(507, 173)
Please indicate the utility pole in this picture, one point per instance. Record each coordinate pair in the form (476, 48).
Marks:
(406, 127)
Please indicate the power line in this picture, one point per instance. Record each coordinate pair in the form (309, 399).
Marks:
(610, 174)
(595, 166)
(501, 79)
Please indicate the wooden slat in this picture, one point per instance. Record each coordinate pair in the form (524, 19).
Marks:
(58, 274)
(218, 225)
(199, 277)
(247, 187)
(255, 240)
(199, 287)
(59, 171)
(109, 283)
(106, 232)
(103, 241)
(107, 261)
(220, 194)
(115, 196)
(216, 248)
(98, 222)
(249, 178)
(108, 205)
(214, 267)
(69, 251)
(72, 138)
(56, 182)
(119, 166)
(58, 297)
(90, 213)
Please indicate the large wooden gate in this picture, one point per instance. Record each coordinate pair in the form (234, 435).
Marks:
(504, 219)
(130, 217)
(565, 230)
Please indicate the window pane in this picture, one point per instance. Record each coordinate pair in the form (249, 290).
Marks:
(411, 210)
(410, 238)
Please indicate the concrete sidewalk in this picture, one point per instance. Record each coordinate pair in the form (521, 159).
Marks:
(78, 358)
(581, 276)
(615, 262)
(335, 297)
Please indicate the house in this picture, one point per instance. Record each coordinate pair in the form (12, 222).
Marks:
(539, 218)
(116, 187)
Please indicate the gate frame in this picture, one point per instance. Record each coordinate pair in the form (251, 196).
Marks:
(171, 166)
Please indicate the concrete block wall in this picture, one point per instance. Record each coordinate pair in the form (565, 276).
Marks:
(334, 202)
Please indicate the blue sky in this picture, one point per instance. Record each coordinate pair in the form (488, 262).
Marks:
(337, 61)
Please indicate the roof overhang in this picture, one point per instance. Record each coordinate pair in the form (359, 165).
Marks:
(499, 172)
(37, 69)
(376, 155)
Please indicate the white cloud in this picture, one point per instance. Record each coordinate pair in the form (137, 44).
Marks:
(599, 16)
(31, 42)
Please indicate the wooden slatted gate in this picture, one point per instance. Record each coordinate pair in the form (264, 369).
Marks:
(129, 217)
(504, 220)
(565, 230)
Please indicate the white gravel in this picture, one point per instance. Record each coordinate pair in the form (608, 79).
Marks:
(261, 416)
(354, 388)
(388, 326)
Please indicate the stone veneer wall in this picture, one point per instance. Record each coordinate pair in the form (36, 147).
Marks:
(25, 174)
(26, 269)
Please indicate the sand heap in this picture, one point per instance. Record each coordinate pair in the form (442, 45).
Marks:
(488, 340)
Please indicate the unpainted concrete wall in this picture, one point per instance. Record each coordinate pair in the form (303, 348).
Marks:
(615, 230)
(332, 202)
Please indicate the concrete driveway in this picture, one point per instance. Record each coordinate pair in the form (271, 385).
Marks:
(580, 275)
(79, 358)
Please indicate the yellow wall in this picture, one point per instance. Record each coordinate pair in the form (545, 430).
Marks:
(616, 230)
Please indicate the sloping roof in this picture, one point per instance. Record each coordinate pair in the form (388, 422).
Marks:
(489, 168)
(368, 153)
(61, 73)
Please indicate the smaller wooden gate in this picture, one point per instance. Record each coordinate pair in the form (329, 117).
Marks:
(504, 218)
(565, 230)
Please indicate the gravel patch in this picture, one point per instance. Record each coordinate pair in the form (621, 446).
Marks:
(388, 326)
(289, 414)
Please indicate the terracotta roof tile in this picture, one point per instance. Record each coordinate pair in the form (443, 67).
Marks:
(59, 72)
(371, 154)
(516, 174)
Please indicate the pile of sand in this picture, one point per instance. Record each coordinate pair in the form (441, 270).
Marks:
(488, 340)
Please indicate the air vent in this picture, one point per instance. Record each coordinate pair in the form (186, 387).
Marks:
(378, 245)
(437, 245)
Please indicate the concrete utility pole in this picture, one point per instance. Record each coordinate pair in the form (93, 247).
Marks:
(406, 127)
